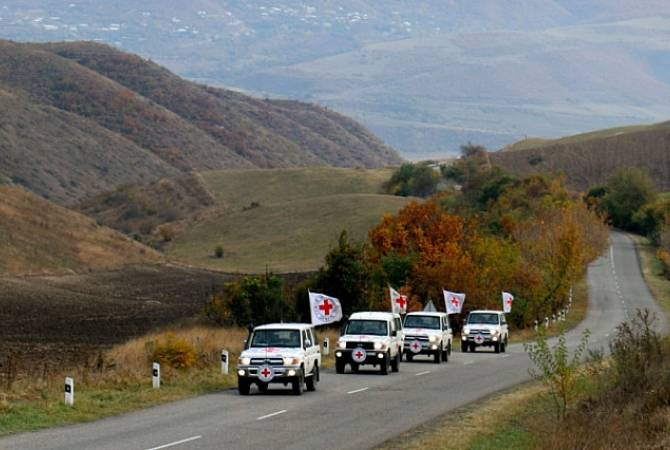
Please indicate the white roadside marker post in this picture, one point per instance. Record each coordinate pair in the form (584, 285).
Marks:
(553, 319)
(326, 347)
(224, 362)
(536, 323)
(69, 391)
(546, 322)
(156, 376)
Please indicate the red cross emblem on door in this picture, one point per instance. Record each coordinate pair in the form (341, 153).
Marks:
(326, 307)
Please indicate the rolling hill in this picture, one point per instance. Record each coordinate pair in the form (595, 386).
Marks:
(283, 219)
(112, 118)
(590, 158)
(39, 237)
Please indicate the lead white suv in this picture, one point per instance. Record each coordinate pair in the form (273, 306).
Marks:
(485, 329)
(280, 353)
(373, 338)
(428, 333)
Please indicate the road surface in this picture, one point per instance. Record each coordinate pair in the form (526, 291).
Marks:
(351, 411)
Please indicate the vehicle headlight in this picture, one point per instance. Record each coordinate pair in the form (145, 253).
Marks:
(244, 361)
(341, 344)
(495, 333)
(466, 331)
(432, 338)
(292, 361)
(380, 346)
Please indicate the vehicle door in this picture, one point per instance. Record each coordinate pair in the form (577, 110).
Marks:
(307, 345)
(401, 332)
(315, 349)
(446, 331)
(503, 327)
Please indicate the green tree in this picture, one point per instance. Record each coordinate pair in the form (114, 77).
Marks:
(627, 191)
(417, 180)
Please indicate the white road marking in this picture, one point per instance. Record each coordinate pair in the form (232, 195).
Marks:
(172, 444)
(467, 363)
(267, 416)
(422, 373)
(358, 390)
(505, 356)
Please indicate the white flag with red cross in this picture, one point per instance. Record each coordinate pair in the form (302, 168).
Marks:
(508, 299)
(324, 309)
(453, 301)
(398, 302)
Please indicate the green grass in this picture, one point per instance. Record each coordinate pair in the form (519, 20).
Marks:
(300, 215)
(653, 272)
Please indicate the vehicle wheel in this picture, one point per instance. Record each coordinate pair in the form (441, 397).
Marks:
(449, 349)
(339, 366)
(437, 357)
(243, 386)
(464, 347)
(496, 347)
(311, 381)
(473, 347)
(504, 347)
(409, 356)
(262, 387)
(298, 385)
(395, 364)
(385, 365)
(355, 367)
(445, 355)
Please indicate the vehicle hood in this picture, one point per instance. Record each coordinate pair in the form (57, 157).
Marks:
(271, 352)
(482, 327)
(363, 338)
(421, 332)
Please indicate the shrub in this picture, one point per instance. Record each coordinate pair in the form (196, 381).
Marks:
(166, 232)
(664, 257)
(218, 251)
(555, 368)
(175, 352)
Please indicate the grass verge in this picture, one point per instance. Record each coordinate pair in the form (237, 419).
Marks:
(119, 381)
(652, 271)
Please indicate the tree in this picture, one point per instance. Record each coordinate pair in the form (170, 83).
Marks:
(418, 180)
(627, 191)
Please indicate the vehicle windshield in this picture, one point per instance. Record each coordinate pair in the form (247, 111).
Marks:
(429, 322)
(372, 327)
(276, 338)
(483, 318)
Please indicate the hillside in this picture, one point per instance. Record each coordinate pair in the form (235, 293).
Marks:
(590, 158)
(286, 219)
(143, 112)
(39, 237)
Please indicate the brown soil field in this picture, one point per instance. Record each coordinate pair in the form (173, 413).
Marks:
(55, 322)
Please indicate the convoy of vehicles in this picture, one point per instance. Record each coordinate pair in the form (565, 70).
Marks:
(427, 333)
(289, 354)
(485, 329)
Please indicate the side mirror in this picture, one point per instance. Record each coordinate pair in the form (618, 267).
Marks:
(394, 333)
(308, 343)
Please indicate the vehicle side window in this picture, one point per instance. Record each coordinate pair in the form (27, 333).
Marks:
(304, 339)
(398, 324)
(311, 336)
(503, 320)
(392, 327)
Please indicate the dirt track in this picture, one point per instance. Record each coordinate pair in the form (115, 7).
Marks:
(60, 321)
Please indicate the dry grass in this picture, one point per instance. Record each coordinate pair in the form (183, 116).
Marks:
(653, 272)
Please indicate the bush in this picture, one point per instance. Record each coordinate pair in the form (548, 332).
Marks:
(218, 251)
(664, 257)
(174, 352)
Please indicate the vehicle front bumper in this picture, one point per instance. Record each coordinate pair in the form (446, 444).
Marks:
(427, 348)
(281, 374)
(488, 340)
(372, 356)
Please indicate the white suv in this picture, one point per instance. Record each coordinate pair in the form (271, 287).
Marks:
(485, 329)
(428, 333)
(280, 353)
(373, 338)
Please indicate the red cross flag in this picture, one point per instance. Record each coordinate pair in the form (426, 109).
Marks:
(508, 299)
(453, 301)
(324, 309)
(398, 302)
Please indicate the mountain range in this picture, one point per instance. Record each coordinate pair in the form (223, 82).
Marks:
(426, 76)
(81, 118)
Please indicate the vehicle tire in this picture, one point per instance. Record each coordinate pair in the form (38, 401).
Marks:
(243, 386)
(496, 347)
(445, 355)
(449, 350)
(355, 367)
(262, 387)
(437, 357)
(473, 347)
(464, 347)
(395, 364)
(409, 356)
(384, 366)
(312, 380)
(503, 348)
(339, 365)
(298, 385)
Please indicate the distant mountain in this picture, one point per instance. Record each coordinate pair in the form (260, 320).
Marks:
(591, 158)
(39, 237)
(426, 75)
(83, 117)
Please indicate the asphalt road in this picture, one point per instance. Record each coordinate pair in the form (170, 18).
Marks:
(351, 411)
